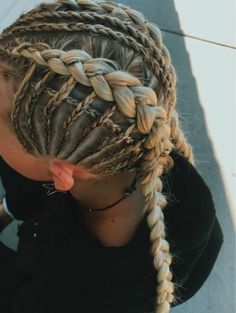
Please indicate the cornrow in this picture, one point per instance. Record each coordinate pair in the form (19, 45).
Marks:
(95, 17)
(19, 96)
(122, 137)
(116, 129)
(32, 101)
(158, 64)
(102, 120)
(53, 103)
(102, 85)
(74, 126)
(79, 110)
(126, 151)
(105, 147)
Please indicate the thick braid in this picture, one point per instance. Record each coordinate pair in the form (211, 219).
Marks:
(152, 167)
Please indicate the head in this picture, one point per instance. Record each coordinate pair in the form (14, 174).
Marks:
(88, 88)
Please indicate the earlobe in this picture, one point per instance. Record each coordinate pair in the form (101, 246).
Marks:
(62, 176)
(63, 183)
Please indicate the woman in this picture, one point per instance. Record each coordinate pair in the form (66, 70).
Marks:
(88, 96)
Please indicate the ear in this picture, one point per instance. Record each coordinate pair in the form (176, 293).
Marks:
(62, 175)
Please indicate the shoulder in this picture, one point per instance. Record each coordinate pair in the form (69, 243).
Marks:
(185, 177)
(24, 196)
(190, 213)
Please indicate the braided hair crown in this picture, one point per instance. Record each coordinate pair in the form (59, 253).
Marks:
(98, 89)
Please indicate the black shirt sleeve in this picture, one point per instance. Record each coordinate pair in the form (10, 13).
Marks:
(24, 197)
(193, 229)
(119, 279)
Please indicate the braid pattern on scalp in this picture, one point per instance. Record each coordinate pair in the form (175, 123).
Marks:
(32, 102)
(18, 97)
(149, 45)
(116, 129)
(135, 24)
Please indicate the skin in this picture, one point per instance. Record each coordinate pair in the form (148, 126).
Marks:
(89, 190)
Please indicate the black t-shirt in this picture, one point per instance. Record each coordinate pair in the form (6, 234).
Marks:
(62, 267)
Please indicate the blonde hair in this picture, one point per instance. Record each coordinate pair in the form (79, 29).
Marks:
(99, 90)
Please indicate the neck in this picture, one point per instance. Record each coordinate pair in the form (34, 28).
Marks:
(106, 192)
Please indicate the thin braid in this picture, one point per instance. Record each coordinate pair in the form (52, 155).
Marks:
(116, 129)
(32, 102)
(104, 118)
(113, 143)
(157, 64)
(92, 17)
(18, 97)
(120, 138)
(69, 100)
(118, 164)
(126, 151)
(79, 109)
(53, 103)
(107, 146)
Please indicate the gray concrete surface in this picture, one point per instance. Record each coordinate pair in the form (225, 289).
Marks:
(206, 104)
